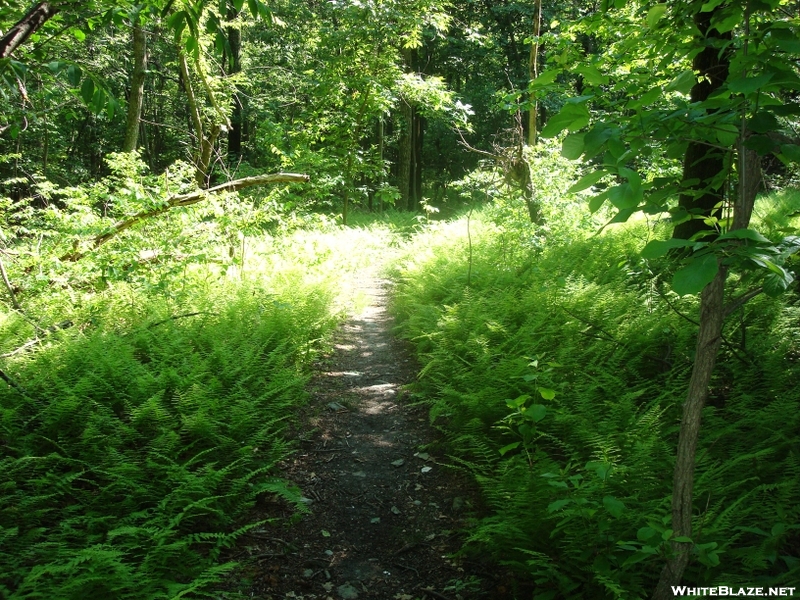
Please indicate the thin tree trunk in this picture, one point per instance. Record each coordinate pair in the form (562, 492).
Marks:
(235, 132)
(709, 338)
(137, 89)
(404, 152)
(533, 68)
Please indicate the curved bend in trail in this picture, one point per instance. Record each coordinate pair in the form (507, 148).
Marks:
(383, 512)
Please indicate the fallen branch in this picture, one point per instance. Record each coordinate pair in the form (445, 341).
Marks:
(184, 200)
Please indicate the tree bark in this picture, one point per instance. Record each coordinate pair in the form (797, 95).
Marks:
(533, 73)
(136, 97)
(709, 338)
(235, 66)
(404, 154)
(703, 163)
(25, 27)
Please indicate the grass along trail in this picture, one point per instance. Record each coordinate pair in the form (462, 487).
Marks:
(383, 512)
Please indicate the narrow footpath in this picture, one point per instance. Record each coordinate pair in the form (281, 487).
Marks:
(384, 513)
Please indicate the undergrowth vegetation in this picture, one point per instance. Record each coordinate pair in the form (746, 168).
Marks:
(145, 401)
(557, 372)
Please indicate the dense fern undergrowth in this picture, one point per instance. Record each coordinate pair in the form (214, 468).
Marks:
(138, 432)
(556, 362)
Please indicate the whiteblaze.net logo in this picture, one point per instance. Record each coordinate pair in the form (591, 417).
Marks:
(682, 590)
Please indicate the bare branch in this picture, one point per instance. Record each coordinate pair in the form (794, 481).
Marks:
(185, 200)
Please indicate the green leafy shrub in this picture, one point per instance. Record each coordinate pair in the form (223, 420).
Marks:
(557, 374)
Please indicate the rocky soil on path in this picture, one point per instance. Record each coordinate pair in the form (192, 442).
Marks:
(384, 511)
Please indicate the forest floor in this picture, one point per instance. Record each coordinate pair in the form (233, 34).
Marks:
(385, 512)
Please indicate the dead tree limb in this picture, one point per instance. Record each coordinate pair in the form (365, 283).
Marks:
(184, 200)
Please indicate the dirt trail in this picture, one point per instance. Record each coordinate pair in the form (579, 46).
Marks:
(384, 513)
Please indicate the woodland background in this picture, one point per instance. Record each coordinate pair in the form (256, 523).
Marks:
(589, 211)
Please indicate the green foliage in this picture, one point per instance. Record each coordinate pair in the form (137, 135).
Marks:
(557, 376)
(139, 434)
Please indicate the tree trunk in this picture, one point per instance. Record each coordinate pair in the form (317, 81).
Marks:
(404, 154)
(235, 66)
(702, 162)
(709, 338)
(25, 27)
(137, 89)
(533, 73)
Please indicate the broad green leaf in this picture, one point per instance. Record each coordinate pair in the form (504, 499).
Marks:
(557, 505)
(727, 134)
(710, 5)
(633, 178)
(646, 533)
(506, 449)
(572, 146)
(791, 152)
(683, 83)
(659, 248)
(588, 181)
(744, 234)
(623, 196)
(762, 122)
(87, 90)
(547, 393)
(570, 117)
(762, 144)
(654, 14)
(692, 278)
(79, 35)
(74, 75)
(682, 539)
(545, 79)
(592, 75)
(613, 506)
(646, 99)
(597, 201)
(748, 85)
(537, 412)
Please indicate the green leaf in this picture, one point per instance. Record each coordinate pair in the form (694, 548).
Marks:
(762, 144)
(572, 146)
(646, 533)
(633, 178)
(791, 152)
(659, 248)
(613, 506)
(744, 234)
(655, 14)
(592, 75)
(545, 79)
(682, 539)
(570, 117)
(683, 83)
(624, 197)
(692, 278)
(597, 201)
(587, 181)
(536, 412)
(79, 35)
(762, 122)
(748, 85)
(74, 75)
(557, 505)
(547, 393)
(506, 449)
(87, 90)
(727, 134)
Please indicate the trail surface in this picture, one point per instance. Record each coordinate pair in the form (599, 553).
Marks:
(384, 512)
